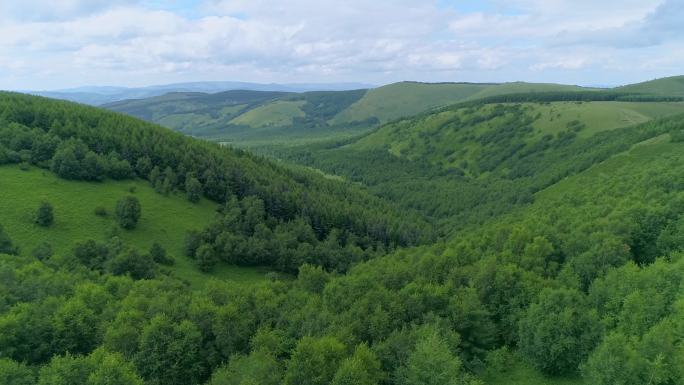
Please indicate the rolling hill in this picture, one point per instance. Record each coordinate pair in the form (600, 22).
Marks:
(665, 86)
(99, 95)
(465, 148)
(558, 261)
(308, 116)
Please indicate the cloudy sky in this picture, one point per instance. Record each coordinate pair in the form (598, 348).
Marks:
(48, 44)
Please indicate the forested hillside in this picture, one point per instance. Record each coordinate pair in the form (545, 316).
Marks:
(557, 256)
(257, 198)
(492, 156)
(250, 118)
(239, 116)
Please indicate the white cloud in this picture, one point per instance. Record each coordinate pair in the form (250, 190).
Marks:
(131, 42)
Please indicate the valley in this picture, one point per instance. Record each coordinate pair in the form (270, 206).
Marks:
(502, 233)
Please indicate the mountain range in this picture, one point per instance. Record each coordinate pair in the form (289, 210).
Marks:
(97, 95)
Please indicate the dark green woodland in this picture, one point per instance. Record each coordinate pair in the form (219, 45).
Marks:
(526, 238)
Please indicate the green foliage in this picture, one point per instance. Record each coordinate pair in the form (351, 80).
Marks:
(193, 188)
(565, 251)
(256, 368)
(6, 246)
(128, 212)
(169, 352)
(205, 257)
(314, 362)
(99, 368)
(42, 251)
(664, 86)
(158, 254)
(130, 262)
(492, 156)
(287, 195)
(559, 331)
(45, 215)
(362, 368)
(14, 373)
(432, 363)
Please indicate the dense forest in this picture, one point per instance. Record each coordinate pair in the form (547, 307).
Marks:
(491, 238)
(491, 156)
(258, 200)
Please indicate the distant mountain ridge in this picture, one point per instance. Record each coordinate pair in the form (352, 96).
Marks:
(99, 95)
(259, 117)
(268, 114)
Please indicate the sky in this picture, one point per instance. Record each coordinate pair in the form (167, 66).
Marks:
(52, 44)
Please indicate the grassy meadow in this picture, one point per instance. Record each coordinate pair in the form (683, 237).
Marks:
(164, 219)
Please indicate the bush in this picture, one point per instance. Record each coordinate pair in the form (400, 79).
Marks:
(128, 212)
(158, 254)
(191, 243)
(206, 258)
(100, 211)
(45, 215)
(132, 263)
(6, 246)
(43, 251)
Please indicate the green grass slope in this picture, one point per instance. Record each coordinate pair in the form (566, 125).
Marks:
(405, 99)
(670, 86)
(278, 113)
(165, 219)
(254, 119)
(464, 164)
(195, 113)
(523, 87)
(184, 102)
(247, 117)
(458, 138)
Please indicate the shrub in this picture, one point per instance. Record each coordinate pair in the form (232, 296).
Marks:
(158, 254)
(128, 212)
(43, 251)
(45, 215)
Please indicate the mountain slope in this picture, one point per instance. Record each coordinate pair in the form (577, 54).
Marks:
(191, 113)
(310, 116)
(83, 143)
(405, 99)
(75, 203)
(103, 95)
(562, 262)
(665, 86)
(491, 156)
